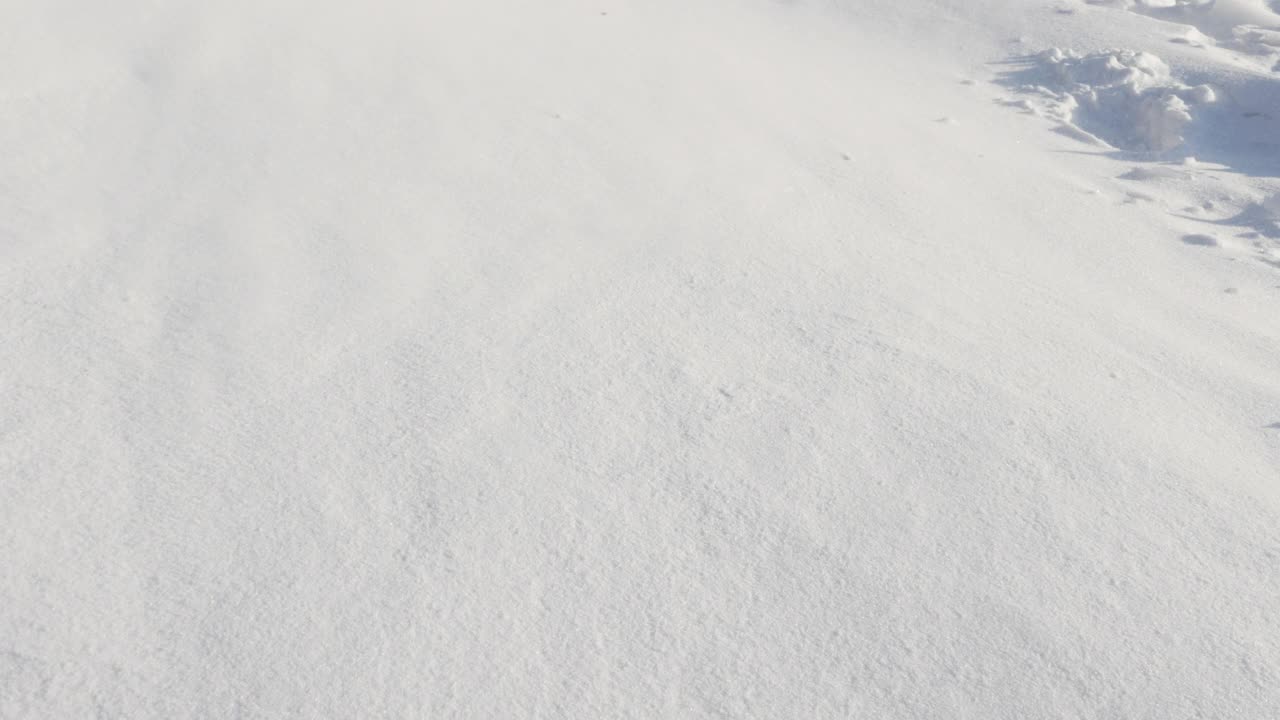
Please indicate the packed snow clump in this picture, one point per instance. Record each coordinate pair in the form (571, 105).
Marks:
(1122, 98)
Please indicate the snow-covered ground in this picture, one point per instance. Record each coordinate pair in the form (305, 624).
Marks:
(662, 359)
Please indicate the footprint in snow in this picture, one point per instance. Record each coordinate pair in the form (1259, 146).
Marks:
(1200, 240)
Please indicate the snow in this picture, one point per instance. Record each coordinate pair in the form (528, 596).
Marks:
(1127, 97)
(583, 358)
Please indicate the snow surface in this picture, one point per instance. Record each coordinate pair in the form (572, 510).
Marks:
(604, 359)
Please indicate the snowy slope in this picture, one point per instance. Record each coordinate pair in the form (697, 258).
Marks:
(732, 358)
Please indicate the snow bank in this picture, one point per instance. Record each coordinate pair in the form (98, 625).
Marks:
(1123, 98)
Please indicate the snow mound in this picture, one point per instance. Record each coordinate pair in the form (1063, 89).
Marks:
(1122, 98)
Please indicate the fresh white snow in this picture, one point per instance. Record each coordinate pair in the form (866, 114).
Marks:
(667, 359)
